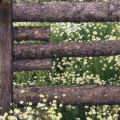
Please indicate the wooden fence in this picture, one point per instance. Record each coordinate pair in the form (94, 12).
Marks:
(38, 56)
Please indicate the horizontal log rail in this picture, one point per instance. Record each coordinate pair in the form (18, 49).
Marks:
(31, 33)
(67, 11)
(74, 95)
(27, 65)
(66, 49)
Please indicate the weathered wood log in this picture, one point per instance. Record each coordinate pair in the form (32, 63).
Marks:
(26, 65)
(31, 33)
(67, 49)
(5, 56)
(67, 11)
(74, 95)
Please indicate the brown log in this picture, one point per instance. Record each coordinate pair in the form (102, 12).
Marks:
(5, 56)
(67, 49)
(39, 64)
(74, 95)
(67, 11)
(31, 33)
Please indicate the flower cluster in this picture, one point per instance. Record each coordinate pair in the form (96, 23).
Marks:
(43, 110)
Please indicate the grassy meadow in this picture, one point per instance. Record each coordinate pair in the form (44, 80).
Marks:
(71, 71)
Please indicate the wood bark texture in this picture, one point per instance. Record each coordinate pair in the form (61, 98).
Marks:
(66, 49)
(74, 95)
(27, 65)
(67, 11)
(5, 56)
(31, 33)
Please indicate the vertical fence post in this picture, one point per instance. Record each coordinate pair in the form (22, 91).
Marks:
(5, 55)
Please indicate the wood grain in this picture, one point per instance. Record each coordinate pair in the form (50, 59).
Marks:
(67, 11)
(67, 49)
(70, 95)
(5, 56)
(41, 33)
